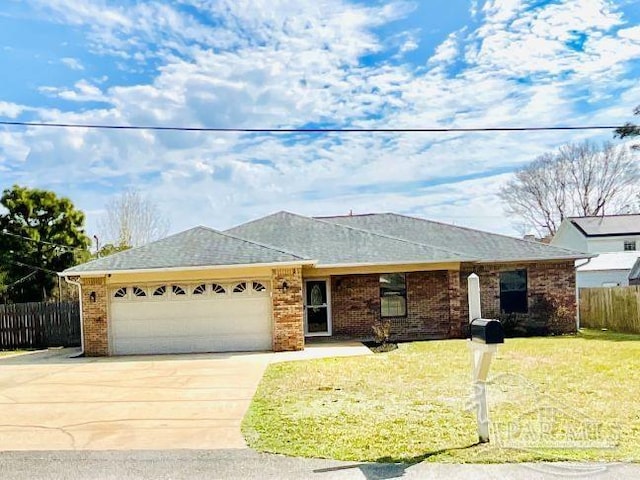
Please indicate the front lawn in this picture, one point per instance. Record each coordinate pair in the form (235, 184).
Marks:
(553, 398)
(7, 353)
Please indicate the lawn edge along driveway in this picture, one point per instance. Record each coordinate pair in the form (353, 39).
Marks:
(408, 405)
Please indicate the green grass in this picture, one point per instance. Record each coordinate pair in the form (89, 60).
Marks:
(408, 405)
(7, 353)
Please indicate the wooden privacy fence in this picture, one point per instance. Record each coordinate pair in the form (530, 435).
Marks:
(615, 308)
(39, 325)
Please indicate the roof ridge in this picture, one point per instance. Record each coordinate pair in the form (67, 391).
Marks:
(604, 216)
(264, 245)
(384, 235)
(545, 245)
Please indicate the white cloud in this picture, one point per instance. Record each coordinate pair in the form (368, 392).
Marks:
(280, 63)
(11, 110)
(72, 63)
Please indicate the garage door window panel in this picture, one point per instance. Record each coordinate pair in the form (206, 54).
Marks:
(218, 289)
(160, 291)
(259, 287)
(138, 292)
(120, 293)
(240, 287)
(178, 291)
(200, 289)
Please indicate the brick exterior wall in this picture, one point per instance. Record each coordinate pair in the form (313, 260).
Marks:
(94, 317)
(437, 303)
(557, 279)
(355, 306)
(288, 309)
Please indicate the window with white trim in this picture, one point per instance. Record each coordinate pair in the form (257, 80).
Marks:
(218, 289)
(629, 245)
(120, 293)
(240, 287)
(178, 290)
(258, 287)
(161, 291)
(138, 292)
(200, 289)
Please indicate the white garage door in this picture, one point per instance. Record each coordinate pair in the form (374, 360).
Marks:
(189, 318)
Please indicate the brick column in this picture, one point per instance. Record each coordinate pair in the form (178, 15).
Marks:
(288, 309)
(94, 316)
(457, 323)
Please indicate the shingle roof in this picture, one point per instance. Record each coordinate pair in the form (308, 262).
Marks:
(331, 243)
(608, 225)
(197, 247)
(482, 246)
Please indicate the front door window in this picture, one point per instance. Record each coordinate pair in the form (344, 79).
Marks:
(317, 307)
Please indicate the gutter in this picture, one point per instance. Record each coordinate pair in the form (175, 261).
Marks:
(93, 273)
(77, 284)
(578, 292)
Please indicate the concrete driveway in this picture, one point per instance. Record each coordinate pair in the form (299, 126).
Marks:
(49, 401)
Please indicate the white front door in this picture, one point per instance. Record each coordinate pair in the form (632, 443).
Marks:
(317, 308)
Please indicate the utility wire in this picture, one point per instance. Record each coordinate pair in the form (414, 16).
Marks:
(15, 262)
(44, 242)
(23, 279)
(308, 130)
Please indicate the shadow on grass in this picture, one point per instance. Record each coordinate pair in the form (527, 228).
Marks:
(391, 467)
(608, 335)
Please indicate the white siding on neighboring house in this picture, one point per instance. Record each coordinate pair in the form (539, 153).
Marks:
(611, 244)
(602, 278)
(568, 236)
(607, 269)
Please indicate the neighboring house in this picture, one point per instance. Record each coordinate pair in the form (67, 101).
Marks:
(608, 234)
(601, 234)
(271, 283)
(634, 275)
(607, 270)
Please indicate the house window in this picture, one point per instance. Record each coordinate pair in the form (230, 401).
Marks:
(240, 287)
(178, 290)
(139, 292)
(160, 291)
(121, 293)
(393, 295)
(629, 245)
(513, 292)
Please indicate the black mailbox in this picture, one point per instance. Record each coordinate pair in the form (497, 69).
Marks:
(488, 331)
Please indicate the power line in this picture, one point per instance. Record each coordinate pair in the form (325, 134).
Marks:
(15, 262)
(44, 242)
(309, 130)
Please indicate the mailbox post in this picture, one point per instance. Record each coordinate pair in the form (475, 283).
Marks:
(484, 337)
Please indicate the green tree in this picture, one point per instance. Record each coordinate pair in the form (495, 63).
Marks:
(630, 130)
(41, 233)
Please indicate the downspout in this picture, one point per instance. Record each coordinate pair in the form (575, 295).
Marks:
(77, 284)
(578, 294)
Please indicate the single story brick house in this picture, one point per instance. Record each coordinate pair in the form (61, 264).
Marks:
(270, 283)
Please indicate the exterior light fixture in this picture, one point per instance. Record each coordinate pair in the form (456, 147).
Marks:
(92, 297)
(285, 286)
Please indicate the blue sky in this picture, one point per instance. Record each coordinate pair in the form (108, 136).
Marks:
(270, 63)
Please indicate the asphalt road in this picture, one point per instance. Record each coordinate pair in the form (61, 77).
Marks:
(247, 464)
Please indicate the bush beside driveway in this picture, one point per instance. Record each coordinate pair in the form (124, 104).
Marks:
(553, 398)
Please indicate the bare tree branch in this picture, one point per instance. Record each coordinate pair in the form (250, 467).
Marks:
(132, 220)
(577, 180)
